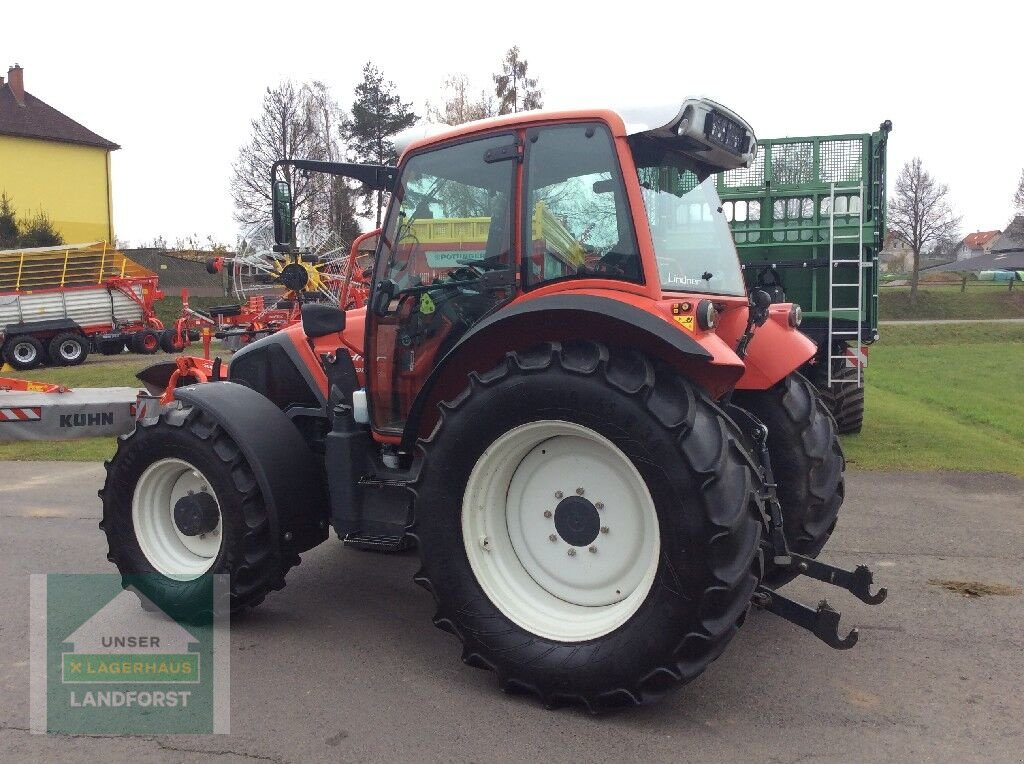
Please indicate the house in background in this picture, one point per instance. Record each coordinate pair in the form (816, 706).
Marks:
(50, 163)
(977, 243)
(896, 255)
(1012, 239)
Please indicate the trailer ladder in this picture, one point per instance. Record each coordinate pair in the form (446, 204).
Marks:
(841, 289)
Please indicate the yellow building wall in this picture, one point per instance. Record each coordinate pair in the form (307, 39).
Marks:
(70, 183)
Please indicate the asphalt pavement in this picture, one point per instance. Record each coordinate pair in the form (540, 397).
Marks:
(344, 664)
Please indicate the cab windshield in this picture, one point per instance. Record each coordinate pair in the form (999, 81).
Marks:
(692, 240)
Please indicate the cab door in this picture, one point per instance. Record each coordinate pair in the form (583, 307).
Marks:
(446, 258)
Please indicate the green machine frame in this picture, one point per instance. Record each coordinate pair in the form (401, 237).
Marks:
(808, 218)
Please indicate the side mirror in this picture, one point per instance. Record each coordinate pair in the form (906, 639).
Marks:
(760, 302)
(282, 212)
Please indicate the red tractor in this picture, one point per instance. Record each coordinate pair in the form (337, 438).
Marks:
(591, 431)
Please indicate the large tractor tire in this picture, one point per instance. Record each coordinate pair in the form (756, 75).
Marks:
(844, 398)
(180, 503)
(807, 462)
(588, 526)
(69, 349)
(24, 352)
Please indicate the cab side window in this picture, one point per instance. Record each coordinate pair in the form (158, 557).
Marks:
(577, 222)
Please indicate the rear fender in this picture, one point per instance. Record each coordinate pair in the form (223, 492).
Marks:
(565, 317)
(289, 475)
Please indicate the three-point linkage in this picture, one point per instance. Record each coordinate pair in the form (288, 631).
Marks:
(823, 621)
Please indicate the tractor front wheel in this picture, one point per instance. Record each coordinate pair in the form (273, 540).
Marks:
(180, 503)
(807, 462)
(588, 526)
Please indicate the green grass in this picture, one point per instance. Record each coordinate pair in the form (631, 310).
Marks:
(944, 397)
(981, 300)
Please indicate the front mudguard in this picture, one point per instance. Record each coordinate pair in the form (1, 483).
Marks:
(289, 475)
(775, 351)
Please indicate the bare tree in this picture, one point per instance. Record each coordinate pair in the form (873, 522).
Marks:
(284, 129)
(457, 106)
(920, 214)
(514, 89)
(1018, 197)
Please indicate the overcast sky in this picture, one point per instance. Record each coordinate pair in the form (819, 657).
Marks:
(176, 84)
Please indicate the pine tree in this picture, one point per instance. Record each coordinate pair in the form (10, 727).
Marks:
(378, 114)
(514, 89)
(1018, 198)
(38, 231)
(8, 223)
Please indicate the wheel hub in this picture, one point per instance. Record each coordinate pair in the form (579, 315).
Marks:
(196, 514)
(577, 521)
(24, 352)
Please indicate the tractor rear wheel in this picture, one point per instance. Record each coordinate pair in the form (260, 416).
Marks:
(180, 503)
(23, 352)
(807, 462)
(588, 526)
(69, 349)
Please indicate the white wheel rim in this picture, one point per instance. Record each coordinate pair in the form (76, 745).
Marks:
(168, 550)
(25, 352)
(70, 350)
(535, 483)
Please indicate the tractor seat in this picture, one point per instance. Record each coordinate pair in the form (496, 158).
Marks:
(320, 320)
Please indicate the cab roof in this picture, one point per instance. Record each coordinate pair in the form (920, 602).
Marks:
(660, 122)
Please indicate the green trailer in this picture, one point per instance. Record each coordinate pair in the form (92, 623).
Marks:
(808, 217)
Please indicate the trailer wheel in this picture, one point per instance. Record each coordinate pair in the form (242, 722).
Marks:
(807, 460)
(170, 342)
(69, 349)
(844, 397)
(180, 503)
(145, 342)
(587, 525)
(23, 352)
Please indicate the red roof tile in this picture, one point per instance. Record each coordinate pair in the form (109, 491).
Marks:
(979, 239)
(40, 120)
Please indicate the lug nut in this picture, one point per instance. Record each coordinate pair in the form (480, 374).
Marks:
(592, 550)
(579, 491)
(604, 529)
(599, 505)
(559, 494)
(552, 537)
(572, 552)
(547, 513)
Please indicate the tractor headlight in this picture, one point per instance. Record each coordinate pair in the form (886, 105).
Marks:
(707, 316)
(796, 316)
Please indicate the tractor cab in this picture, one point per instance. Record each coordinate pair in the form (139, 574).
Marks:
(505, 211)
